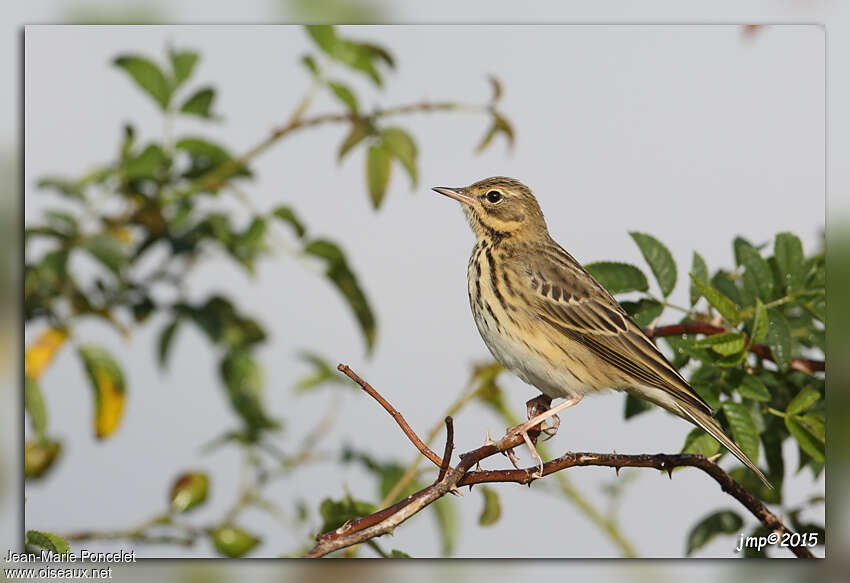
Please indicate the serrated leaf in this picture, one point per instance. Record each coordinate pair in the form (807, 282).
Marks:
(107, 380)
(743, 428)
(635, 406)
(166, 338)
(757, 273)
(35, 406)
(286, 214)
(377, 173)
(700, 270)
(803, 401)
(48, 541)
(492, 510)
(788, 251)
(199, 103)
(779, 339)
(148, 76)
(182, 64)
(643, 311)
(345, 95)
(698, 441)
(107, 250)
(807, 442)
(720, 522)
(660, 260)
(617, 277)
(399, 143)
(752, 387)
(760, 324)
(338, 271)
(721, 302)
(726, 343)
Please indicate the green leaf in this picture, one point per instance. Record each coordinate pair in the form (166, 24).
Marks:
(147, 165)
(643, 311)
(760, 324)
(788, 251)
(738, 245)
(360, 129)
(726, 343)
(700, 270)
(345, 95)
(206, 156)
(757, 273)
(107, 250)
(310, 63)
(447, 523)
(188, 491)
(803, 401)
(166, 338)
(322, 373)
(338, 271)
(232, 542)
(336, 513)
(199, 103)
(499, 125)
(397, 554)
(698, 441)
(286, 214)
(148, 76)
(635, 406)
(492, 508)
(182, 63)
(48, 541)
(361, 57)
(805, 439)
(399, 143)
(107, 380)
(35, 406)
(752, 387)
(720, 522)
(779, 339)
(743, 428)
(618, 278)
(377, 173)
(324, 36)
(244, 383)
(659, 259)
(814, 424)
(68, 188)
(721, 302)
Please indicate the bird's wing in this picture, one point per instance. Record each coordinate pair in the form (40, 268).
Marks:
(567, 298)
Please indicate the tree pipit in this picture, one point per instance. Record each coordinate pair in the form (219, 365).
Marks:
(546, 319)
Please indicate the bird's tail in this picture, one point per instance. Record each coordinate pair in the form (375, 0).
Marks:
(710, 425)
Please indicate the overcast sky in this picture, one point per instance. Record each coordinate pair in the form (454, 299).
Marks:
(692, 133)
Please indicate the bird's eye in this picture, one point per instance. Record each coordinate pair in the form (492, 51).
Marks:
(494, 196)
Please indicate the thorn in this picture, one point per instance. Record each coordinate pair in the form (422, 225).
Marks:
(715, 457)
(670, 472)
(617, 470)
(470, 487)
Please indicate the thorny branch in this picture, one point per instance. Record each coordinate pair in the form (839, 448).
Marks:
(386, 520)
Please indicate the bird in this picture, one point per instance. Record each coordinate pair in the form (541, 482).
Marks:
(547, 320)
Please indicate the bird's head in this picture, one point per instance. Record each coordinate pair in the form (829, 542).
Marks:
(500, 207)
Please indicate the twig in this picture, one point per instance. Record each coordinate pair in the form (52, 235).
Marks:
(385, 521)
(801, 364)
(447, 454)
(399, 418)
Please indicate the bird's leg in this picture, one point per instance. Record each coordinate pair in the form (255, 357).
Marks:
(523, 428)
(540, 404)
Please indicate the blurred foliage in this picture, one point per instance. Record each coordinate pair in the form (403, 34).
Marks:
(120, 243)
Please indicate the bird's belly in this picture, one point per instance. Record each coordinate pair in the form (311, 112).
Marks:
(533, 358)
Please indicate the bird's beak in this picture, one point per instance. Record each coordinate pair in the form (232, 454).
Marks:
(458, 194)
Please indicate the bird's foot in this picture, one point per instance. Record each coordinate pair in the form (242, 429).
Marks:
(539, 405)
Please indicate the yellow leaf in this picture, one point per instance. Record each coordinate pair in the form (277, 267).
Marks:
(110, 404)
(41, 352)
